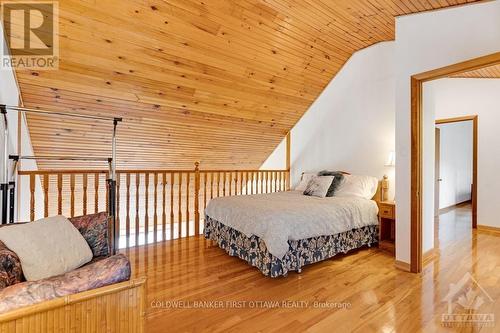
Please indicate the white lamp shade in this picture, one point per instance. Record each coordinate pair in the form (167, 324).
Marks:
(391, 159)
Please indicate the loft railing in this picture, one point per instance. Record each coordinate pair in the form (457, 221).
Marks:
(151, 205)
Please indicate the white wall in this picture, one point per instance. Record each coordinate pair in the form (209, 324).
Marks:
(464, 97)
(424, 42)
(9, 95)
(455, 161)
(277, 160)
(351, 124)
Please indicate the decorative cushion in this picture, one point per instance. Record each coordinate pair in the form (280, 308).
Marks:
(47, 247)
(306, 177)
(337, 181)
(10, 267)
(358, 186)
(104, 272)
(318, 186)
(94, 228)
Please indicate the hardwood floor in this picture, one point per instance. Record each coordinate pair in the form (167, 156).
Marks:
(360, 291)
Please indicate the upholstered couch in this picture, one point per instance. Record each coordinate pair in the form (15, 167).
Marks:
(103, 270)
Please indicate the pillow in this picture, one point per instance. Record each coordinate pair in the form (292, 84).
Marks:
(358, 186)
(337, 181)
(94, 229)
(318, 186)
(47, 247)
(306, 177)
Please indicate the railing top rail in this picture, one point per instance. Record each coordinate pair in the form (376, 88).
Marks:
(152, 171)
(249, 170)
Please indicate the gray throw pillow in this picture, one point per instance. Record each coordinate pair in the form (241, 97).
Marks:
(337, 181)
(318, 186)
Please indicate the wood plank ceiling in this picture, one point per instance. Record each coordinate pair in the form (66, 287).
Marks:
(220, 82)
(491, 72)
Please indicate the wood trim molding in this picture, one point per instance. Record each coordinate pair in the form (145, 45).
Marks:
(453, 207)
(488, 228)
(429, 256)
(288, 149)
(458, 68)
(416, 176)
(475, 134)
(404, 266)
(455, 119)
(416, 82)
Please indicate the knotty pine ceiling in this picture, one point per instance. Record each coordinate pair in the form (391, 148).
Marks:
(491, 72)
(220, 82)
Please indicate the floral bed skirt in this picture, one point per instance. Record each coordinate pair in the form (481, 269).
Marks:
(301, 252)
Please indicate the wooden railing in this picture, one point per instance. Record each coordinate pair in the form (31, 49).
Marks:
(151, 205)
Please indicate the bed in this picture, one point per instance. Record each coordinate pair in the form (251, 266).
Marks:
(284, 231)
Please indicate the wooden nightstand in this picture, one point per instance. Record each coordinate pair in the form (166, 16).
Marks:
(387, 226)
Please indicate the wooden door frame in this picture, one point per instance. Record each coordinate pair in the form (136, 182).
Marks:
(416, 165)
(474, 119)
(437, 170)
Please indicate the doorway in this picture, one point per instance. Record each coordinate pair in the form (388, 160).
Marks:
(417, 120)
(456, 164)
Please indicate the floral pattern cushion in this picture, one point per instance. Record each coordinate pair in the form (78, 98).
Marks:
(94, 228)
(10, 267)
(98, 274)
(301, 252)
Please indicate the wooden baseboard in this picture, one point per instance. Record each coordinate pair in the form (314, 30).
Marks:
(402, 265)
(488, 228)
(452, 207)
(429, 256)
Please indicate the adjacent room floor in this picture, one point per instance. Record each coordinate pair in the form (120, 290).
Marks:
(195, 286)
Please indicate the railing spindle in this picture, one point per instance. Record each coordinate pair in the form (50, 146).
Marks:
(274, 181)
(204, 190)
(211, 185)
(155, 204)
(106, 196)
(72, 194)
(264, 183)
(127, 219)
(172, 179)
(96, 192)
(268, 177)
(246, 183)
(224, 184)
(32, 197)
(197, 199)
(137, 220)
(252, 182)
(59, 193)
(218, 184)
(146, 208)
(45, 195)
(188, 177)
(164, 209)
(235, 180)
(179, 208)
(118, 182)
(261, 181)
(242, 182)
(84, 187)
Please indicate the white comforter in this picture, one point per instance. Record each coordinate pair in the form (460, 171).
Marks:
(279, 217)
